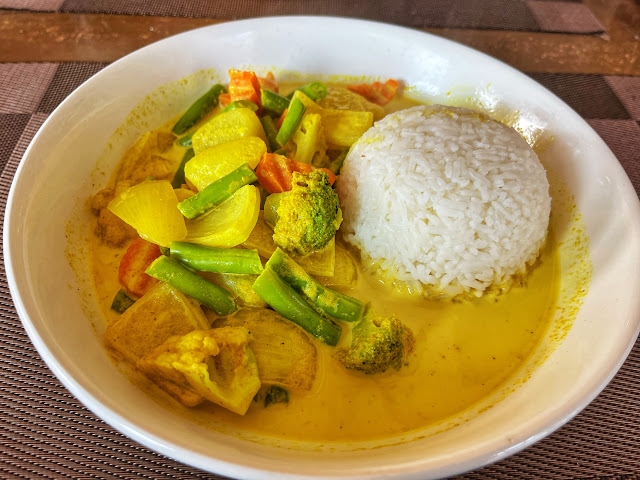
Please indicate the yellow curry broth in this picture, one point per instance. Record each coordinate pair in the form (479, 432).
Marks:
(464, 352)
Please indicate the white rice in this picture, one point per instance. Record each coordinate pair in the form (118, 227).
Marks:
(445, 198)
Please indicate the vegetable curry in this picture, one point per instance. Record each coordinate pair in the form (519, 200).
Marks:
(223, 277)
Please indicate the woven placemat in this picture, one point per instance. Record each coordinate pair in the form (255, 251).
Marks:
(47, 433)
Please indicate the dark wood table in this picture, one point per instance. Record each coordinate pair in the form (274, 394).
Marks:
(587, 52)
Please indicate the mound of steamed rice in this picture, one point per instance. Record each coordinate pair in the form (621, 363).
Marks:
(445, 198)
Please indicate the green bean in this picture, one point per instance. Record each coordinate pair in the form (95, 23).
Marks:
(273, 102)
(217, 260)
(186, 140)
(336, 165)
(291, 121)
(217, 192)
(271, 131)
(281, 151)
(291, 305)
(240, 104)
(178, 177)
(190, 283)
(121, 301)
(271, 204)
(336, 304)
(315, 91)
(199, 109)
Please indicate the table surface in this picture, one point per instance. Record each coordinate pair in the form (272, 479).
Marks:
(587, 52)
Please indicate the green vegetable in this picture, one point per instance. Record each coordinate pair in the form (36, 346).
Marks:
(290, 304)
(216, 260)
(240, 104)
(178, 177)
(273, 102)
(199, 109)
(185, 141)
(271, 131)
(308, 215)
(281, 151)
(121, 301)
(315, 91)
(217, 192)
(291, 121)
(336, 164)
(377, 344)
(271, 204)
(190, 283)
(276, 394)
(338, 305)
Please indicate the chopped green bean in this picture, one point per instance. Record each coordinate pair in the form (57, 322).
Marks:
(281, 151)
(240, 104)
(178, 177)
(271, 131)
(291, 305)
(121, 301)
(271, 204)
(273, 102)
(291, 121)
(276, 394)
(190, 283)
(336, 165)
(186, 140)
(199, 109)
(217, 192)
(315, 91)
(336, 304)
(217, 260)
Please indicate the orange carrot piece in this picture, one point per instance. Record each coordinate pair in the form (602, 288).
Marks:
(245, 86)
(224, 99)
(281, 119)
(275, 172)
(378, 93)
(268, 82)
(135, 261)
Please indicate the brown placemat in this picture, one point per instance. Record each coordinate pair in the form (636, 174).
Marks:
(46, 433)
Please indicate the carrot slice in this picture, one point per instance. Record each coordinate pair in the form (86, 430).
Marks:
(224, 99)
(245, 86)
(378, 93)
(134, 262)
(275, 172)
(268, 82)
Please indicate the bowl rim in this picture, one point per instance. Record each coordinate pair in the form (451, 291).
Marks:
(488, 454)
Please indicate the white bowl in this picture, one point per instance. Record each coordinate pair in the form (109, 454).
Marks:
(58, 173)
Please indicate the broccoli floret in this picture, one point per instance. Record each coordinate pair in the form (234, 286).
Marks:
(308, 215)
(377, 344)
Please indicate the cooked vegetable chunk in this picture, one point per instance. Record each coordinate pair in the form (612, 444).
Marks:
(309, 215)
(122, 301)
(199, 109)
(339, 98)
(216, 364)
(244, 85)
(232, 125)
(217, 192)
(240, 286)
(217, 260)
(377, 344)
(309, 141)
(134, 262)
(190, 283)
(286, 355)
(214, 163)
(335, 304)
(291, 305)
(378, 93)
(230, 223)
(178, 177)
(276, 394)
(152, 209)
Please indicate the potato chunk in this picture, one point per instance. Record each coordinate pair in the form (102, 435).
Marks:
(216, 364)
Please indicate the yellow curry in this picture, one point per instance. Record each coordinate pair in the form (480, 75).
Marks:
(230, 354)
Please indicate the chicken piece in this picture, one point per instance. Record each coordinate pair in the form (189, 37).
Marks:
(142, 161)
(216, 364)
(113, 231)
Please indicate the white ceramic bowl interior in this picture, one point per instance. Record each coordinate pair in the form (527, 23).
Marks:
(59, 171)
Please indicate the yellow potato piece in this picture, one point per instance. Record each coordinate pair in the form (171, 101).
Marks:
(343, 127)
(217, 364)
(152, 209)
(228, 224)
(217, 161)
(339, 98)
(228, 126)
